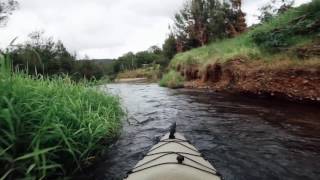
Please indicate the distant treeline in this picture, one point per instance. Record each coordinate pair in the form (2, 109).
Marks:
(42, 55)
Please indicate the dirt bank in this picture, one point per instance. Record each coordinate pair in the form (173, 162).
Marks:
(294, 83)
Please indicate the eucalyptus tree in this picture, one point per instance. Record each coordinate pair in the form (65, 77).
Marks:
(274, 7)
(202, 21)
(169, 47)
(6, 8)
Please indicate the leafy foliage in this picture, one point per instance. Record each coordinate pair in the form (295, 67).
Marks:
(273, 8)
(152, 73)
(202, 21)
(169, 47)
(6, 8)
(41, 55)
(280, 32)
(131, 61)
(296, 27)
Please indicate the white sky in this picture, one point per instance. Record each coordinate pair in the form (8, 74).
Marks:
(102, 28)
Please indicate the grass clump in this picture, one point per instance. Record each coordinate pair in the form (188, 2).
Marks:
(49, 127)
(172, 80)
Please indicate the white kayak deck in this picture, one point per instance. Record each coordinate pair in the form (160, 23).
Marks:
(161, 162)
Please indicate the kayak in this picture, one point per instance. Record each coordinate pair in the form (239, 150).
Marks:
(173, 158)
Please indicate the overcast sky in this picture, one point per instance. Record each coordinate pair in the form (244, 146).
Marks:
(102, 28)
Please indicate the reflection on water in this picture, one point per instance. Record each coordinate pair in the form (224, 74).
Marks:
(245, 138)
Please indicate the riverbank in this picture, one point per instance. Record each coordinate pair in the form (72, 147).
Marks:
(295, 83)
(151, 74)
(53, 127)
(280, 58)
(132, 80)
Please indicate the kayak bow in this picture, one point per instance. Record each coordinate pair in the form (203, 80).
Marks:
(173, 158)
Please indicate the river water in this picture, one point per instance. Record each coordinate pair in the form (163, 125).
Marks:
(244, 137)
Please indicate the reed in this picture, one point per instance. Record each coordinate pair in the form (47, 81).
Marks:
(50, 127)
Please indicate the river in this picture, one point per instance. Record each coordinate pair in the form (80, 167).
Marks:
(244, 137)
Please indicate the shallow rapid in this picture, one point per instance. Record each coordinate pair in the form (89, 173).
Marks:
(244, 137)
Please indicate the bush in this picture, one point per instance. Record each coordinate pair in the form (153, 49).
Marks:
(50, 127)
(172, 80)
(287, 29)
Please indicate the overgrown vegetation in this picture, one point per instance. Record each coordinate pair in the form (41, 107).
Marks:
(50, 127)
(172, 79)
(274, 8)
(219, 51)
(147, 64)
(297, 25)
(132, 61)
(43, 55)
(289, 30)
(151, 73)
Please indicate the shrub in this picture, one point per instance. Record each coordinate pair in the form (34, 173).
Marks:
(172, 80)
(284, 30)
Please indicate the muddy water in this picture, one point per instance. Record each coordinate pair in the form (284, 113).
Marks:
(245, 138)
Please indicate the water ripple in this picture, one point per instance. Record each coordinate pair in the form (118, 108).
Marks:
(245, 138)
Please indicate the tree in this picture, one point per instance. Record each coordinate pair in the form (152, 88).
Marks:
(155, 49)
(42, 55)
(169, 47)
(202, 21)
(236, 19)
(273, 8)
(6, 8)
(191, 25)
(127, 61)
(219, 18)
(65, 58)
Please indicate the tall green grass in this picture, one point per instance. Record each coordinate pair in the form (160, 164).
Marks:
(172, 80)
(50, 127)
(219, 51)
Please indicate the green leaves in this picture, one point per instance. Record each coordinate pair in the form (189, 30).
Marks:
(35, 153)
(282, 30)
(202, 21)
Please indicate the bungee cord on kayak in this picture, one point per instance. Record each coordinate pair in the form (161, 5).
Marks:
(172, 142)
(175, 154)
(178, 162)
